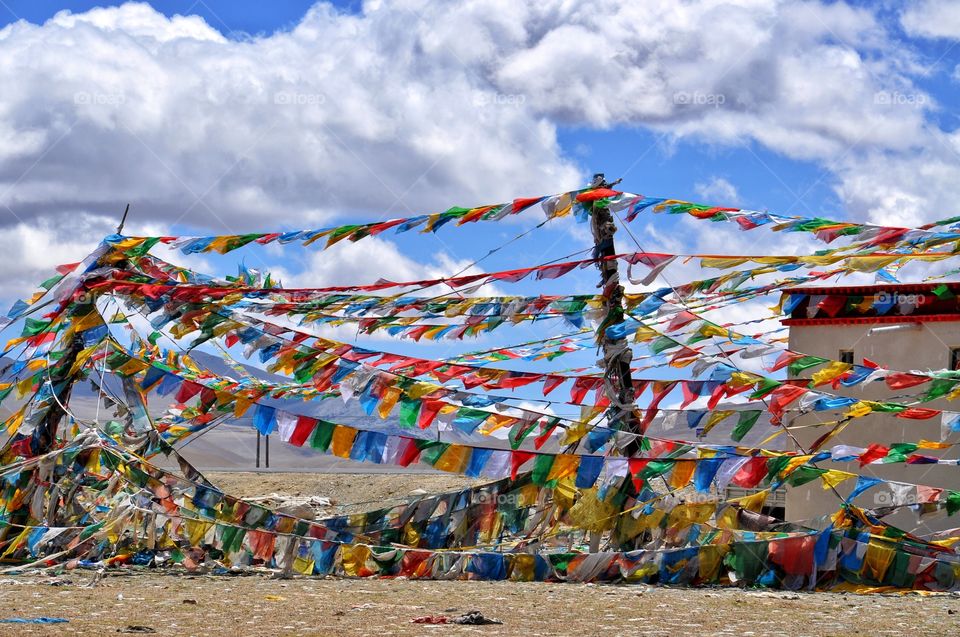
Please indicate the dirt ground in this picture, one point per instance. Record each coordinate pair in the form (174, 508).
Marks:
(141, 602)
(179, 605)
(348, 492)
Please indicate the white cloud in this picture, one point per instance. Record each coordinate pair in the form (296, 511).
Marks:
(798, 77)
(140, 21)
(413, 106)
(343, 113)
(932, 19)
(419, 102)
(374, 258)
(717, 190)
(906, 189)
(32, 249)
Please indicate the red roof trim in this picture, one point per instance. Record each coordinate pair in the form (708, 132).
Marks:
(868, 320)
(867, 289)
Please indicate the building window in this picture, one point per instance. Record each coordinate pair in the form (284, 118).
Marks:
(846, 356)
(955, 358)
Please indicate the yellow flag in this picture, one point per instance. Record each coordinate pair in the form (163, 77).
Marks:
(831, 371)
(833, 477)
(454, 459)
(722, 262)
(682, 473)
(354, 559)
(387, 401)
(752, 502)
(564, 465)
(859, 409)
(715, 418)
(342, 441)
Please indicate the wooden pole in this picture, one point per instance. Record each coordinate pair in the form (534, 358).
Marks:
(617, 355)
(45, 434)
(44, 438)
(123, 219)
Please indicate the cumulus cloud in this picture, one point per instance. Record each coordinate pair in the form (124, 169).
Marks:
(342, 113)
(367, 261)
(29, 256)
(905, 189)
(798, 77)
(414, 104)
(717, 190)
(411, 106)
(932, 19)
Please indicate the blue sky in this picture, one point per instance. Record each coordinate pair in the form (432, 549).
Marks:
(763, 179)
(223, 15)
(220, 116)
(217, 116)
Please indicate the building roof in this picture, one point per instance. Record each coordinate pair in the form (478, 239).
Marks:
(873, 304)
(953, 286)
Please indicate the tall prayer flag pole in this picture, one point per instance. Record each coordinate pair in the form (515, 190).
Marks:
(617, 354)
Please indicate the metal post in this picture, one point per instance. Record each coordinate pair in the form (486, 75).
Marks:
(258, 450)
(268, 451)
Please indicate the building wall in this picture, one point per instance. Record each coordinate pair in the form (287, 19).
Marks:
(912, 348)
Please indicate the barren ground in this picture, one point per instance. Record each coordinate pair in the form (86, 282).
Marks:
(257, 605)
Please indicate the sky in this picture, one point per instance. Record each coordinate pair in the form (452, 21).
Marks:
(225, 116)
(229, 116)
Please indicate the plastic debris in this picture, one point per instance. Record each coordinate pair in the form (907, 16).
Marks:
(430, 619)
(474, 618)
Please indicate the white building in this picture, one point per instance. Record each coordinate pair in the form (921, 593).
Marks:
(898, 327)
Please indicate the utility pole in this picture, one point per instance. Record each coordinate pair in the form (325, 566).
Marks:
(617, 354)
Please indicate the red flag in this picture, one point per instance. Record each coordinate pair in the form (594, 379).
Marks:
(428, 411)
(597, 193)
(518, 459)
(520, 204)
(919, 413)
(873, 452)
(783, 396)
(305, 427)
(751, 473)
(901, 380)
